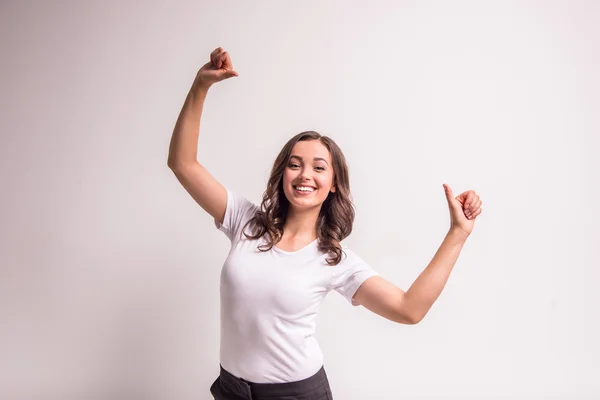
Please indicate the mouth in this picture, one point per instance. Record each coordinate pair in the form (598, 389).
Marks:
(304, 190)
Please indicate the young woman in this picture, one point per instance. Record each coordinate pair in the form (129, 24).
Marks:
(286, 255)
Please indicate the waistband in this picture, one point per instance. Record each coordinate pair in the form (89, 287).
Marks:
(246, 388)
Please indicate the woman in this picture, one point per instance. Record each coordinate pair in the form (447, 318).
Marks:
(286, 255)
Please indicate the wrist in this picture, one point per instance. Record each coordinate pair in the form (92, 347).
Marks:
(458, 234)
(199, 85)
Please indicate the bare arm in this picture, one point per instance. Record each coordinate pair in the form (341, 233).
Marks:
(184, 141)
(384, 298)
(428, 286)
(199, 183)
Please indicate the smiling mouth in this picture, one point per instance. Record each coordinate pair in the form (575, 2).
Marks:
(304, 191)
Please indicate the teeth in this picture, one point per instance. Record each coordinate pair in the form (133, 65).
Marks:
(304, 189)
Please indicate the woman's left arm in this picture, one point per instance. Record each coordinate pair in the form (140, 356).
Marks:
(384, 298)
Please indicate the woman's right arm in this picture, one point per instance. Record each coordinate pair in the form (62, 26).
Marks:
(199, 183)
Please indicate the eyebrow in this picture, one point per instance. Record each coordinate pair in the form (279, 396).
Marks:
(316, 158)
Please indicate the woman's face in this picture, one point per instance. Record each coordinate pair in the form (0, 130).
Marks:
(311, 169)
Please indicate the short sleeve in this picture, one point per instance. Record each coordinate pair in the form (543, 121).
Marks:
(350, 274)
(239, 211)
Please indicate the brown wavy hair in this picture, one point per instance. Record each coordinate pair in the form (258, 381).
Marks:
(337, 211)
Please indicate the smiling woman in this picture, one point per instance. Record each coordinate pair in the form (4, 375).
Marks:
(287, 254)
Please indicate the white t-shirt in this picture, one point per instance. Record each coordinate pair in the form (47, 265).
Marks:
(270, 301)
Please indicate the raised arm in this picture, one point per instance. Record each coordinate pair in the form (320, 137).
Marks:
(196, 179)
(386, 299)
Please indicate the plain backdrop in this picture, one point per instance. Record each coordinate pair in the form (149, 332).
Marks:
(109, 279)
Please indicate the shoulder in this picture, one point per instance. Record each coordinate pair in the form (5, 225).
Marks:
(349, 257)
(242, 201)
(350, 253)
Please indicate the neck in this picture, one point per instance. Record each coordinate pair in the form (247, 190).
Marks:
(301, 223)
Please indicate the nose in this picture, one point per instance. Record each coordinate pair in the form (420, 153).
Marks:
(303, 176)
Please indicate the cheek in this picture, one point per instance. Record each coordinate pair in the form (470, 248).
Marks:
(287, 180)
(325, 182)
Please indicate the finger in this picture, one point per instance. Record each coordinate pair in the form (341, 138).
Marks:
(471, 201)
(219, 63)
(226, 60)
(223, 60)
(472, 208)
(465, 197)
(468, 200)
(475, 205)
(468, 213)
(215, 55)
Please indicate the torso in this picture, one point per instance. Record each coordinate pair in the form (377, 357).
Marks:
(270, 300)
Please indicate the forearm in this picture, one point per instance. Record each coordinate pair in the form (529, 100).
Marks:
(427, 287)
(184, 141)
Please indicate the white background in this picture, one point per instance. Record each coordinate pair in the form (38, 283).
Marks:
(109, 279)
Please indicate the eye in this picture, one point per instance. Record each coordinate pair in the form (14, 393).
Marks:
(291, 165)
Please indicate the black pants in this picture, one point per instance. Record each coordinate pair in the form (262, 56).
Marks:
(229, 387)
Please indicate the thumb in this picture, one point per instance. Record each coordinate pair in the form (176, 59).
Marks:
(448, 191)
(449, 195)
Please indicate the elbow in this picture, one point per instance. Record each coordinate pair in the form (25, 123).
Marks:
(410, 318)
(413, 320)
(174, 162)
(407, 314)
(177, 166)
(171, 163)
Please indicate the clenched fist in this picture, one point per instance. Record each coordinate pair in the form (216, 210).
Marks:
(217, 69)
(464, 209)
